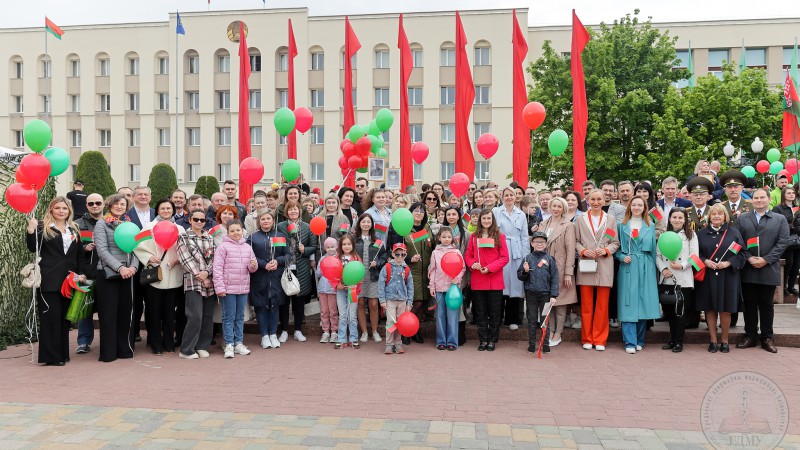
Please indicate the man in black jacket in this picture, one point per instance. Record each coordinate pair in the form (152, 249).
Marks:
(94, 207)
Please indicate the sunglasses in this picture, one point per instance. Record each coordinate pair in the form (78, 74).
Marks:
(399, 254)
(430, 199)
(94, 203)
(198, 220)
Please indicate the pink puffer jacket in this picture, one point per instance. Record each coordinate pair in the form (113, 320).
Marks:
(232, 266)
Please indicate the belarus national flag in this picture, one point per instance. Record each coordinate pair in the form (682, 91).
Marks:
(216, 230)
(485, 243)
(656, 214)
(467, 218)
(392, 327)
(377, 243)
(381, 228)
(696, 262)
(351, 293)
(87, 236)
(635, 233)
(344, 228)
(735, 248)
(52, 28)
(292, 228)
(419, 235)
(279, 241)
(142, 236)
(611, 234)
(752, 242)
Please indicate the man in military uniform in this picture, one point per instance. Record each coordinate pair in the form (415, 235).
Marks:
(734, 182)
(700, 189)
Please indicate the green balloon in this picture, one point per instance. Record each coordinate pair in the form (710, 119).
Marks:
(384, 119)
(356, 132)
(125, 236)
(59, 160)
(353, 273)
(373, 128)
(37, 135)
(749, 171)
(557, 142)
(773, 155)
(670, 245)
(361, 170)
(382, 153)
(453, 298)
(284, 121)
(290, 170)
(402, 221)
(796, 178)
(376, 143)
(775, 167)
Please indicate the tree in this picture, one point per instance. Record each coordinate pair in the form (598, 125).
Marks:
(93, 170)
(162, 182)
(206, 185)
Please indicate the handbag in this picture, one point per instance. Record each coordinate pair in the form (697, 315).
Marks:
(587, 266)
(31, 275)
(793, 243)
(290, 283)
(671, 294)
(150, 275)
(700, 275)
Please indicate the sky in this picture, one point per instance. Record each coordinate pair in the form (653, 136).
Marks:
(541, 12)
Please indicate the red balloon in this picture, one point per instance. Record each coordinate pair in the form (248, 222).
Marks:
(762, 166)
(363, 146)
(331, 269)
(251, 170)
(452, 263)
(459, 184)
(342, 144)
(407, 323)
(791, 166)
(349, 150)
(419, 152)
(488, 145)
(784, 172)
(343, 162)
(165, 234)
(533, 115)
(318, 225)
(354, 162)
(303, 118)
(21, 197)
(34, 170)
(364, 162)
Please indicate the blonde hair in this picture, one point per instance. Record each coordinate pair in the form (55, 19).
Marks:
(718, 207)
(49, 220)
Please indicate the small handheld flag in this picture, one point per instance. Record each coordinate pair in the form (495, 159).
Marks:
(734, 248)
(141, 236)
(279, 241)
(216, 230)
(344, 228)
(392, 327)
(381, 228)
(419, 235)
(485, 243)
(292, 228)
(52, 28)
(696, 262)
(377, 243)
(656, 214)
(351, 293)
(87, 236)
(752, 242)
(610, 233)
(467, 218)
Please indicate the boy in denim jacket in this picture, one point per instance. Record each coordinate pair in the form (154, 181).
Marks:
(396, 294)
(540, 274)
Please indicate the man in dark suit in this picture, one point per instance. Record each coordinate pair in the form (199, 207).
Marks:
(766, 234)
(734, 182)
(700, 189)
(670, 189)
(141, 214)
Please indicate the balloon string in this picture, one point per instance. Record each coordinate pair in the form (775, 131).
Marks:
(30, 314)
(341, 185)
(552, 166)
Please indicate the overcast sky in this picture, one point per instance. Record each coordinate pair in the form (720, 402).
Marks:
(541, 12)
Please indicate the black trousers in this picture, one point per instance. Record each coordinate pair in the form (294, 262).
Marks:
(678, 324)
(535, 302)
(53, 327)
(791, 268)
(139, 304)
(298, 305)
(114, 300)
(512, 310)
(488, 307)
(758, 305)
(612, 297)
(161, 315)
(180, 314)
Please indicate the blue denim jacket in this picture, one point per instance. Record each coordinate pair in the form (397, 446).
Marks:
(399, 288)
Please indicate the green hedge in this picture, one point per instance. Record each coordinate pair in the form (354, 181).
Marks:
(206, 185)
(94, 172)
(162, 182)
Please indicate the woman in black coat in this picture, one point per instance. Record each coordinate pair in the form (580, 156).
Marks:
(266, 293)
(301, 245)
(788, 209)
(59, 245)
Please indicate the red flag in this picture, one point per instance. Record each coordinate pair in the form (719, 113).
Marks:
(291, 139)
(522, 134)
(351, 46)
(465, 96)
(406, 64)
(245, 189)
(580, 110)
(791, 131)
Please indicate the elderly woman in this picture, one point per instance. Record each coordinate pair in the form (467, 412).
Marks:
(513, 224)
(292, 194)
(301, 245)
(561, 246)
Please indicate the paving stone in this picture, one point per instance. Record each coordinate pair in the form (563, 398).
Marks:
(585, 437)
(469, 443)
(620, 444)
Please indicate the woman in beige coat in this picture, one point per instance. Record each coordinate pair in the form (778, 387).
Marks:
(597, 240)
(561, 242)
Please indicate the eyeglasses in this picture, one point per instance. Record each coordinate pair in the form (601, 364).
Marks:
(400, 254)
(472, 189)
(198, 219)
(361, 185)
(94, 203)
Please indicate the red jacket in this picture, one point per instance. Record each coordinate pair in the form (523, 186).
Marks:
(492, 258)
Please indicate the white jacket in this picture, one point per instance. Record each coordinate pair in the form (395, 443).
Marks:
(684, 277)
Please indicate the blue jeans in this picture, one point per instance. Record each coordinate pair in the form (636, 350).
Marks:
(267, 320)
(446, 322)
(347, 317)
(86, 330)
(633, 333)
(233, 306)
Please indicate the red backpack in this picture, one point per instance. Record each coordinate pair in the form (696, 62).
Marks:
(389, 273)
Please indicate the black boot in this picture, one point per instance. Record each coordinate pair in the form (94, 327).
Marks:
(418, 338)
(405, 340)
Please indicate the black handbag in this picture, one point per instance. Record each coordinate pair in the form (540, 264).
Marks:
(150, 275)
(793, 243)
(671, 294)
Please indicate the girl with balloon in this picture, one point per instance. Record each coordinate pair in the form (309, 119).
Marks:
(346, 290)
(329, 273)
(444, 274)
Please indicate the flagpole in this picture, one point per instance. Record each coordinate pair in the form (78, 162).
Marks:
(47, 81)
(177, 104)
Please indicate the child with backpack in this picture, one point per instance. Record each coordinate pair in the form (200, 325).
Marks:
(446, 318)
(540, 274)
(329, 312)
(396, 295)
(348, 320)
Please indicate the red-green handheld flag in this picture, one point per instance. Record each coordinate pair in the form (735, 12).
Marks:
(87, 236)
(377, 243)
(381, 228)
(696, 262)
(279, 241)
(752, 242)
(485, 243)
(292, 228)
(635, 233)
(344, 228)
(216, 230)
(656, 214)
(144, 235)
(392, 327)
(351, 294)
(467, 218)
(610, 233)
(52, 28)
(420, 235)
(734, 248)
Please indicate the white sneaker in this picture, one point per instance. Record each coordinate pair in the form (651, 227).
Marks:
(376, 337)
(228, 351)
(630, 350)
(202, 353)
(276, 343)
(326, 337)
(298, 336)
(576, 323)
(283, 338)
(192, 356)
(638, 348)
(265, 342)
(334, 338)
(513, 327)
(600, 348)
(241, 349)
(364, 337)
(553, 343)
(587, 346)
(614, 323)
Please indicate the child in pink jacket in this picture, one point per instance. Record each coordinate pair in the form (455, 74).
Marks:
(439, 283)
(234, 261)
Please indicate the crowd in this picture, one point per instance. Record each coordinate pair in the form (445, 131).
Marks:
(563, 259)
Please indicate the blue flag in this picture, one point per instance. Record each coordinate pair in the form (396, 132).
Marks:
(179, 28)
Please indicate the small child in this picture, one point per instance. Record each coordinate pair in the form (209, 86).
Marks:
(396, 294)
(329, 311)
(348, 320)
(530, 207)
(474, 216)
(234, 261)
(446, 318)
(540, 274)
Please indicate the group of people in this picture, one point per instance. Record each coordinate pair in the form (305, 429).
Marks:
(587, 260)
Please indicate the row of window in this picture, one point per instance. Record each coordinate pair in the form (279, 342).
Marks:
(754, 58)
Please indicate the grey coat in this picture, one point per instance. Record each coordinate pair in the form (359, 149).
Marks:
(112, 258)
(773, 234)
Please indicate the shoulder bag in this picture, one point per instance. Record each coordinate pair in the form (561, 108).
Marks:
(290, 283)
(150, 275)
(671, 294)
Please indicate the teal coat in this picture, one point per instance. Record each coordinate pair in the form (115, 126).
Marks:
(637, 293)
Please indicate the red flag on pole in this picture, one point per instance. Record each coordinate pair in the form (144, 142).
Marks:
(406, 63)
(580, 110)
(245, 189)
(465, 95)
(791, 131)
(291, 139)
(351, 46)
(522, 134)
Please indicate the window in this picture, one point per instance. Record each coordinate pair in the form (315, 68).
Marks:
(481, 170)
(224, 136)
(448, 131)
(105, 102)
(133, 66)
(353, 60)
(75, 138)
(224, 171)
(415, 131)
(683, 59)
(223, 63)
(317, 172)
(19, 139)
(133, 102)
(47, 104)
(105, 138)
(255, 135)
(133, 137)
(417, 172)
(105, 67)
(18, 104)
(75, 68)
(193, 137)
(448, 169)
(163, 137)
(282, 140)
(482, 95)
(788, 53)
(415, 96)
(193, 99)
(163, 101)
(317, 98)
(385, 136)
(448, 95)
(716, 58)
(18, 69)
(481, 128)
(381, 59)
(416, 57)
(255, 100)
(318, 61)
(447, 57)
(194, 172)
(255, 63)
(223, 99)
(283, 62)
(756, 57)
(381, 96)
(283, 98)
(134, 171)
(482, 56)
(194, 66)
(317, 134)
(163, 65)
(46, 68)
